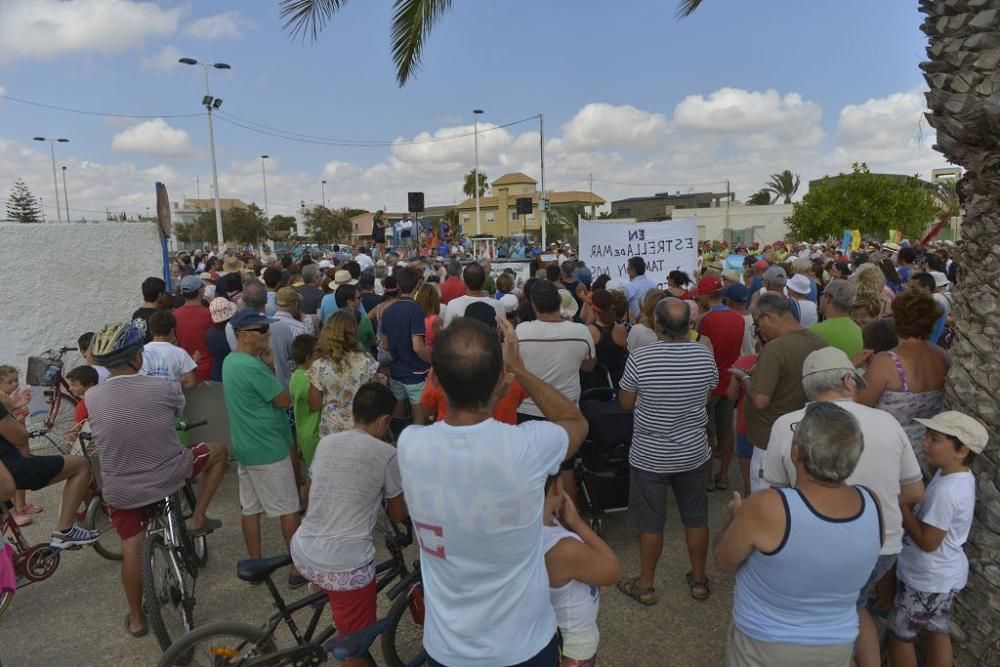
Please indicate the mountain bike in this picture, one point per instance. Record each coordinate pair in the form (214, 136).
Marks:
(45, 370)
(229, 643)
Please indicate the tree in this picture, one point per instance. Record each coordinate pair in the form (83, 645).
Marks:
(784, 185)
(241, 225)
(871, 203)
(562, 222)
(281, 226)
(760, 198)
(22, 205)
(326, 225)
(470, 189)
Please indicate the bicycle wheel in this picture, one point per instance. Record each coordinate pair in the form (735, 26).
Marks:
(403, 642)
(5, 600)
(217, 644)
(110, 545)
(58, 422)
(165, 596)
(200, 544)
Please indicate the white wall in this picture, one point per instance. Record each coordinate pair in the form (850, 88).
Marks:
(59, 281)
(768, 221)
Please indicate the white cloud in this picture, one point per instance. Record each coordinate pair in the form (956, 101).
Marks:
(228, 25)
(154, 137)
(735, 110)
(600, 124)
(44, 29)
(341, 171)
(164, 61)
(459, 149)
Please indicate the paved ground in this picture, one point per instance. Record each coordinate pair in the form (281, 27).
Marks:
(75, 618)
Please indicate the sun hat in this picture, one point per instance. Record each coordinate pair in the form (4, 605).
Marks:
(969, 430)
(568, 305)
(245, 319)
(894, 247)
(732, 275)
(831, 359)
(232, 264)
(341, 277)
(191, 284)
(206, 276)
(221, 309)
(287, 296)
(799, 284)
(708, 285)
(775, 274)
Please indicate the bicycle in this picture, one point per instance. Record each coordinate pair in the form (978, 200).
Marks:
(32, 563)
(170, 562)
(45, 370)
(244, 645)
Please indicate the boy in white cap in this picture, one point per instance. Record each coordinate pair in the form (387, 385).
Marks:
(933, 568)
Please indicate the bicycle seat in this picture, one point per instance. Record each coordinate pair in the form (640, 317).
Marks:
(252, 570)
(356, 644)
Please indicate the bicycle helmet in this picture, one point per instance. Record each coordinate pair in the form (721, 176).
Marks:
(116, 345)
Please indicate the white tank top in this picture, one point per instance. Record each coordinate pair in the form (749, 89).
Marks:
(575, 604)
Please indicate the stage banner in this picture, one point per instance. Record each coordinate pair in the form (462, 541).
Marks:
(607, 245)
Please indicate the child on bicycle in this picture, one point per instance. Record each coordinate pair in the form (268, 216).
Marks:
(80, 379)
(578, 562)
(16, 400)
(932, 567)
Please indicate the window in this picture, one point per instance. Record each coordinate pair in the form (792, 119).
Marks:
(490, 218)
(466, 217)
(513, 215)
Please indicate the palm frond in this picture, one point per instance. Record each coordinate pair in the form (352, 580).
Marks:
(412, 21)
(308, 17)
(687, 7)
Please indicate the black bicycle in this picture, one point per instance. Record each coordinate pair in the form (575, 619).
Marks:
(230, 643)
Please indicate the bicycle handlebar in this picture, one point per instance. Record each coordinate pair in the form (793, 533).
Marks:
(64, 350)
(187, 426)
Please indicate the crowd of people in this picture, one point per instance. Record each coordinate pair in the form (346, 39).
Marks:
(821, 371)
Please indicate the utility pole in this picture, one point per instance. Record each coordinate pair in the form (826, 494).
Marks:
(65, 196)
(475, 182)
(543, 203)
(592, 207)
(728, 197)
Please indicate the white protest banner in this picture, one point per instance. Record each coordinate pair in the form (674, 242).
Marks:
(607, 245)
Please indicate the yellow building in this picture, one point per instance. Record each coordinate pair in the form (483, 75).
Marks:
(498, 212)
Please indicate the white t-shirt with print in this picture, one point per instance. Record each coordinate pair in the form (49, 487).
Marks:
(554, 351)
(165, 360)
(575, 604)
(948, 504)
(887, 462)
(475, 495)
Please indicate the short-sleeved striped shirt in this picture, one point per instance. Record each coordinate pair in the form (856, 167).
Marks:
(672, 380)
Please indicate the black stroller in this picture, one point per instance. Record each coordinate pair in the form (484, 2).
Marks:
(602, 470)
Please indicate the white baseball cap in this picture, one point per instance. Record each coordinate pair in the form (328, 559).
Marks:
(831, 359)
(968, 430)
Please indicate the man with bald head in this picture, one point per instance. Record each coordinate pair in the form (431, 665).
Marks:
(668, 384)
(474, 487)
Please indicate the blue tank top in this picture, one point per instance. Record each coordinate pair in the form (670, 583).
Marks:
(805, 591)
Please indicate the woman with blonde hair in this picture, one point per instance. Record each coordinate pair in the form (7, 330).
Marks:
(870, 279)
(428, 297)
(340, 368)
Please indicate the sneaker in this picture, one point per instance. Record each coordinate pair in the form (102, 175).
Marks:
(74, 537)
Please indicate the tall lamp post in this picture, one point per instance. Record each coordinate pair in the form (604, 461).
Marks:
(322, 187)
(55, 179)
(211, 103)
(476, 113)
(66, 195)
(263, 176)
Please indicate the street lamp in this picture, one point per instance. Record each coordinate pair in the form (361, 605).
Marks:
(322, 187)
(55, 180)
(263, 175)
(211, 103)
(65, 195)
(475, 181)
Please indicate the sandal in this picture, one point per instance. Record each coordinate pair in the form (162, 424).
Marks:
(142, 632)
(32, 509)
(631, 588)
(699, 590)
(721, 482)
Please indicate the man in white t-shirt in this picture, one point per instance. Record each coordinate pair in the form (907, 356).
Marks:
(162, 358)
(888, 467)
(475, 490)
(554, 349)
(363, 259)
(474, 277)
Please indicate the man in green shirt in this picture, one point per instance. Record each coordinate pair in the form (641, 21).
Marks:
(348, 297)
(257, 404)
(837, 328)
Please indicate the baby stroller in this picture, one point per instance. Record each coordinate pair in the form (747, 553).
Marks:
(602, 470)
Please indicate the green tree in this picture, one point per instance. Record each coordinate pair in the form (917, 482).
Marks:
(562, 222)
(240, 225)
(22, 205)
(783, 185)
(760, 198)
(469, 187)
(184, 232)
(324, 225)
(281, 226)
(871, 203)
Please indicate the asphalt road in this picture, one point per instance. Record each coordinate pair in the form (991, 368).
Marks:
(76, 617)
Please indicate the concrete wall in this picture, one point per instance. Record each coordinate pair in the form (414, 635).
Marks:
(59, 281)
(768, 222)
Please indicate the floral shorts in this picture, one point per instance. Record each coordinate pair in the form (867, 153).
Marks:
(348, 580)
(914, 611)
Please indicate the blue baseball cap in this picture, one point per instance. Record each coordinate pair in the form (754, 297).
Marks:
(246, 319)
(736, 293)
(191, 284)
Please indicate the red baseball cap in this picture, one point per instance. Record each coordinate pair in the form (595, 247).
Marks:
(708, 285)
(761, 265)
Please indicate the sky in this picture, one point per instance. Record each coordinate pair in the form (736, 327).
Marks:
(631, 96)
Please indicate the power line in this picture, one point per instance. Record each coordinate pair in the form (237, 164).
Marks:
(658, 185)
(97, 113)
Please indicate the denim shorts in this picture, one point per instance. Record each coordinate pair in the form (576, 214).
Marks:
(744, 448)
(410, 392)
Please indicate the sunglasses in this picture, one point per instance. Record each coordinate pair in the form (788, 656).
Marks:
(262, 329)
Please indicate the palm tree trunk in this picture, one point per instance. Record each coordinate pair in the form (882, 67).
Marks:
(963, 96)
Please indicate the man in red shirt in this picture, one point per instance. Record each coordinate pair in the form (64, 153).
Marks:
(452, 287)
(193, 322)
(725, 328)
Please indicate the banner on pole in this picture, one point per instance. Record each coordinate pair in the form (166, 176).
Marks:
(607, 245)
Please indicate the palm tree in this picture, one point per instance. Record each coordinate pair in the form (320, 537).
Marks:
(784, 185)
(760, 198)
(470, 189)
